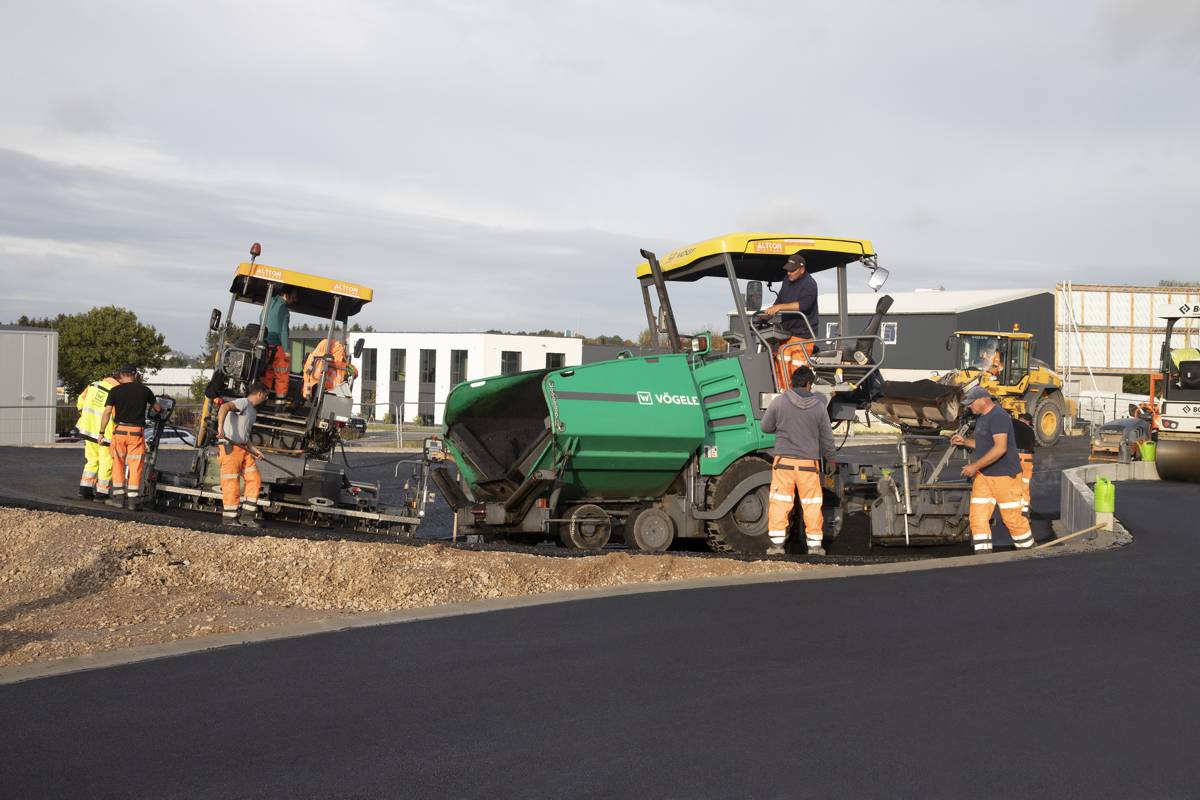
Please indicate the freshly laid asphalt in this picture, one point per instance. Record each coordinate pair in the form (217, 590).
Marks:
(1062, 677)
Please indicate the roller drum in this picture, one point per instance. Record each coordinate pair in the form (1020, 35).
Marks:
(1178, 459)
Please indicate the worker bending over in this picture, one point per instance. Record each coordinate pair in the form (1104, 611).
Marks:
(798, 295)
(239, 457)
(126, 406)
(96, 481)
(996, 471)
(315, 367)
(803, 437)
(1023, 431)
(279, 361)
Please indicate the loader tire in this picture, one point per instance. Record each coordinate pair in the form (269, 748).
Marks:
(1048, 419)
(744, 529)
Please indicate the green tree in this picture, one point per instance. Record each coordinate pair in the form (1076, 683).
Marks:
(99, 341)
(645, 339)
(196, 391)
(1135, 384)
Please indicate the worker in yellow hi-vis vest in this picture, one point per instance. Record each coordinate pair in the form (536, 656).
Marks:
(97, 460)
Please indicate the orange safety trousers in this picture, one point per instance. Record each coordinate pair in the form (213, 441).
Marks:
(238, 465)
(128, 449)
(791, 477)
(1026, 480)
(791, 356)
(989, 492)
(276, 377)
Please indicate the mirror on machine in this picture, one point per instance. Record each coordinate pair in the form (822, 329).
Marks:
(754, 295)
(214, 320)
(878, 278)
(358, 347)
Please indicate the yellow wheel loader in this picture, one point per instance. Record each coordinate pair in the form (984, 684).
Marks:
(1003, 363)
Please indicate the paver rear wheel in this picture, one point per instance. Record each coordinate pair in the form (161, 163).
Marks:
(744, 528)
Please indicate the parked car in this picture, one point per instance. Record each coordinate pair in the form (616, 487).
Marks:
(172, 435)
(359, 424)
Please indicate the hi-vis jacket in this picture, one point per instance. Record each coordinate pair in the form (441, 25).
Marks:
(91, 402)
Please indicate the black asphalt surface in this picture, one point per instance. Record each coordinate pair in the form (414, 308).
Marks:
(1066, 677)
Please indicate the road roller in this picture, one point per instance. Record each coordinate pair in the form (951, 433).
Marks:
(1178, 438)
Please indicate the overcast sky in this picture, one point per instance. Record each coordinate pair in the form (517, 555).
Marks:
(492, 164)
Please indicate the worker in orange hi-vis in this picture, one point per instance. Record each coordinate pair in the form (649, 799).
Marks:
(1023, 430)
(279, 360)
(996, 471)
(796, 305)
(803, 436)
(240, 480)
(315, 367)
(126, 406)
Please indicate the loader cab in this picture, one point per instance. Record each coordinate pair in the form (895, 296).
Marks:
(745, 264)
(1004, 358)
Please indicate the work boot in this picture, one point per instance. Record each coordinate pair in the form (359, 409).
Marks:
(100, 497)
(247, 520)
(115, 502)
(87, 492)
(776, 550)
(818, 550)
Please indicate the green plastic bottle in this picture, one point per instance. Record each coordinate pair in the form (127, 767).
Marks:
(1106, 496)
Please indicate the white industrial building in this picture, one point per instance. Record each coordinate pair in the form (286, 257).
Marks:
(28, 401)
(174, 381)
(410, 374)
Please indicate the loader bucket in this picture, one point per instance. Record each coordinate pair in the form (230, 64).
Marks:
(925, 405)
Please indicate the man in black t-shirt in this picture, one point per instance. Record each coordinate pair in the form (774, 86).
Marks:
(126, 406)
(996, 470)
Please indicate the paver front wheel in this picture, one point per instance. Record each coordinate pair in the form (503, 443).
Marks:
(650, 529)
(588, 528)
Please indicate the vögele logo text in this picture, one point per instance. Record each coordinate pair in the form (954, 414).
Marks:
(677, 399)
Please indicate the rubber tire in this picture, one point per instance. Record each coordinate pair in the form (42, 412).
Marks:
(575, 534)
(1048, 404)
(650, 530)
(728, 534)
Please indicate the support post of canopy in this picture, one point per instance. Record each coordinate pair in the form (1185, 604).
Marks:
(843, 302)
(664, 300)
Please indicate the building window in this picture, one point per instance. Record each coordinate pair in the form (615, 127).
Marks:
(556, 360)
(367, 408)
(397, 366)
(428, 366)
(889, 332)
(831, 330)
(368, 364)
(458, 366)
(510, 362)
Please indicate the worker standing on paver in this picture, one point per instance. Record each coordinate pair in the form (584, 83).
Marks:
(239, 457)
(97, 461)
(803, 437)
(996, 472)
(279, 360)
(126, 406)
(1023, 431)
(797, 295)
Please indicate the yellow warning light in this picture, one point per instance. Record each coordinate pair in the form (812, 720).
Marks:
(1016, 328)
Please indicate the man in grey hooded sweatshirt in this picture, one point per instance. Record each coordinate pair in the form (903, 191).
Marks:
(803, 436)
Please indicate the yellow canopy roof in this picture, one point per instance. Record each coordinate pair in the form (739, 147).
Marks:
(316, 293)
(757, 256)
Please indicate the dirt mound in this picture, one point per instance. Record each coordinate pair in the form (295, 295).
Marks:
(71, 585)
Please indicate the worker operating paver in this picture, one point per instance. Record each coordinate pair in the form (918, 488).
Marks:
(803, 437)
(996, 471)
(239, 457)
(278, 359)
(797, 295)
